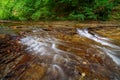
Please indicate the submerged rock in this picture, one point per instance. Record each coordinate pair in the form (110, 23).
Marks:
(56, 54)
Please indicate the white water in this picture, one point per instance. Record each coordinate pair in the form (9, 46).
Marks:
(44, 47)
(97, 38)
(105, 42)
(59, 70)
(57, 58)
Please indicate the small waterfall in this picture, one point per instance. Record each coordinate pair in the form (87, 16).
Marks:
(37, 46)
(112, 54)
(40, 53)
(43, 47)
(59, 59)
(97, 38)
(105, 42)
(61, 65)
(57, 73)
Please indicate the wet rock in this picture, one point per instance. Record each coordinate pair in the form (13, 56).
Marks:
(2, 35)
(79, 58)
(10, 55)
(34, 72)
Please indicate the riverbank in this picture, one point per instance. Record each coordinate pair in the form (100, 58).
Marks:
(61, 23)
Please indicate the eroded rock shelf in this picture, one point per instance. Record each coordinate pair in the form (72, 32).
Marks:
(59, 53)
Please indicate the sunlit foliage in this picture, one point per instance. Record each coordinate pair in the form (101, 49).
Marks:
(56, 9)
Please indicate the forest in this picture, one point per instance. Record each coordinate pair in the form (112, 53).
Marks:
(79, 10)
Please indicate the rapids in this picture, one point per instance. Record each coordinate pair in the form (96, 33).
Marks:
(61, 54)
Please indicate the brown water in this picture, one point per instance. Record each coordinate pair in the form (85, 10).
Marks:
(59, 53)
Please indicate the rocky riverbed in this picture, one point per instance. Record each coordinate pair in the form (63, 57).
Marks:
(39, 52)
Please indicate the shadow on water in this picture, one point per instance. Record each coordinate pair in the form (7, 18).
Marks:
(62, 54)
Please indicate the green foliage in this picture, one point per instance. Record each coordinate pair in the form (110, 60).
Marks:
(103, 9)
(74, 16)
(56, 9)
(5, 9)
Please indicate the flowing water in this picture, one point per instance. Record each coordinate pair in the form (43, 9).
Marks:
(66, 53)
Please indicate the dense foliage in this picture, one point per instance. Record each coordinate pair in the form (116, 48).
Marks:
(56, 9)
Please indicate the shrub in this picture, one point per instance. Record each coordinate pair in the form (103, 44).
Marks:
(56, 9)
